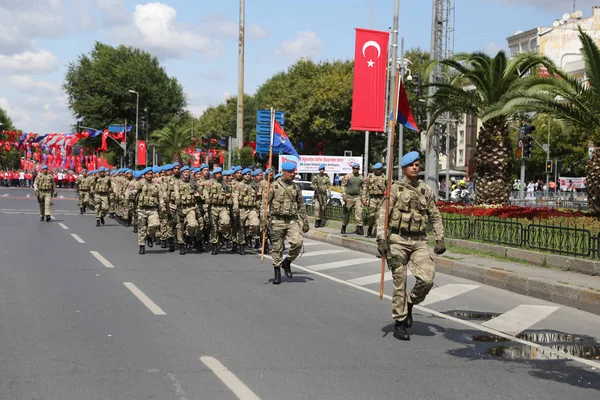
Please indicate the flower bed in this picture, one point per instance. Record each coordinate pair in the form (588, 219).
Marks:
(516, 212)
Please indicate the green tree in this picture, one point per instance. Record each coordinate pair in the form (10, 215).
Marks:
(243, 157)
(6, 123)
(574, 102)
(98, 84)
(221, 120)
(489, 80)
(10, 160)
(172, 140)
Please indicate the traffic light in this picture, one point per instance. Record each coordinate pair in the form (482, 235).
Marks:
(548, 167)
(443, 144)
(527, 140)
(418, 90)
(144, 120)
(79, 126)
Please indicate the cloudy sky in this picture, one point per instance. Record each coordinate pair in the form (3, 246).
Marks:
(197, 40)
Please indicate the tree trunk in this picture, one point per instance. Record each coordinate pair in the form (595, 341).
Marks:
(493, 164)
(593, 182)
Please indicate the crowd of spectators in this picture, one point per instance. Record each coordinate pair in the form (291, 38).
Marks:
(19, 178)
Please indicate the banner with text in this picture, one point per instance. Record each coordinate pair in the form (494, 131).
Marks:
(576, 182)
(333, 164)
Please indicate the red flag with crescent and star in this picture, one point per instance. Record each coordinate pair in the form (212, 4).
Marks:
(141, 152)
(368, 97)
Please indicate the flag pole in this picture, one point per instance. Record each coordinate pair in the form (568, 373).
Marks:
(390, 169)
(266, 195)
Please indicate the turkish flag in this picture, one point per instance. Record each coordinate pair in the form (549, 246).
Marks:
(368, 97)
(141, 146)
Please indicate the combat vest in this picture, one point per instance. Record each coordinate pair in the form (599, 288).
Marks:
(217, 192)
(409, 214)
(247, 194)
(285, 199)
(102, 185)
(186, 194)
(200, 186)
(320, 184)
(84, 184)
(376, 185)
(45, 182)
(148, 195)
(354, 185)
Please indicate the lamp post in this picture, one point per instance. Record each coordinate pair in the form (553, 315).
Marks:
(137, 107)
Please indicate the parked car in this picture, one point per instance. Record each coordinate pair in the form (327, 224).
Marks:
(335, 199)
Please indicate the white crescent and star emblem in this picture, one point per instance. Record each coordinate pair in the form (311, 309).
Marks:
(371, 43)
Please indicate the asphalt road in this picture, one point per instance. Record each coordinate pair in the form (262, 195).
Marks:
(86, 317)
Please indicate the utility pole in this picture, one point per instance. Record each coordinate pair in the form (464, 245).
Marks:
(401, 127)
(392, 78)
(366, 151)
(548, 154)
(240, 97)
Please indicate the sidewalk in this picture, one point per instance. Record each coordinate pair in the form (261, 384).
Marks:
(563, 287)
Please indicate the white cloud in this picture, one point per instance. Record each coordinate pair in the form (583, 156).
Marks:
(115, 12)
(29, 62)
(493, 48)
(307, 44)
(197, 109)
(226, 95)
(25, 83)
(23, 21)
(38, 114)
(155, 28)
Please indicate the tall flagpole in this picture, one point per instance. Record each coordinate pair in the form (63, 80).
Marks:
(266, 195)
(390, 171)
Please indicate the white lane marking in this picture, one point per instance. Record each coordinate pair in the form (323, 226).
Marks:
(28, 195)
(76, 237)
(156, 310)
(472, 325)
(63, 226)
(375, 278)
(52, 218)
(520, 318)
(341, 264)
(103, 260)
(447, 292)
(323, 253)
(238, 387)
(5, 195)
(61, 196)
(311, 243)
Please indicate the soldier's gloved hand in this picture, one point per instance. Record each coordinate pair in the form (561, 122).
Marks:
(263, 224)
(383, 247)
(305, 226)
(440, 247)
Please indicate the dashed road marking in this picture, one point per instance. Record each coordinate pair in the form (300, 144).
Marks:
(520, 318)
(156, 310)
(341, 264)
(76, 237)
(63, 226)
(323, 253)
(447, 292)
(375, 278)
(234, 384)
(103, 260)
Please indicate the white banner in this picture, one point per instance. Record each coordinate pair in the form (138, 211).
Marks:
(577, 183)
(333, 164)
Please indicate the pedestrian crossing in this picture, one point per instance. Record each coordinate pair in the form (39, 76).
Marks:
(361, 269)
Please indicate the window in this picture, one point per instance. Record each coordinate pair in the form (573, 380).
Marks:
(461, 136)
(460, 156)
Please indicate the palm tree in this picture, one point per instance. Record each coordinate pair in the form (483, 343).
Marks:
(567, 99)
(479, 83)
(172, 140)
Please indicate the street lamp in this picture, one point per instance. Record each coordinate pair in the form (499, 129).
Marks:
(137, 106)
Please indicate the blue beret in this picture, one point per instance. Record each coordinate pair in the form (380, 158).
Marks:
(288, 166)
(253, 173)
(246, 170)
(83, 170)
(258, 171)
(186, 168)
(321, 167)
(277, 176)
(409, 158)
(268, 170)
(167, 167)
(176, 165)
(203, 166)
(356, 165)
(236, 169)
(196, 170)
(146, 170)
(378, 166)
(155, 169)
(44, 167)
(216, 170)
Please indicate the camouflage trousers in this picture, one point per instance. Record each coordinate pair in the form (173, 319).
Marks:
(44, 200)
(353, 203)
(84, 198)
(220, 221)
(283, 229)
(203, 219)
(320, 205)
(167, 227)
(102, 205)
(187, 224)
(148, 223)
(112, 204)
(249, 222)
(414, 254)
(373, 210)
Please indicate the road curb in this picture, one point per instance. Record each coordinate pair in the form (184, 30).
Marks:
(568, 295)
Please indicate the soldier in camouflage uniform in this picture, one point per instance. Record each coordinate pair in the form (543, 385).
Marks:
(217, 196)
(130, 201)
(187, 223)
(44, 188)
(202, 180)
(373, 191)
(245, 204)
(102, 187)
(321, 185)
(83, 191)
(412, 206)
(288, 216)
(351, 190)
(149, 201)
(237, 231)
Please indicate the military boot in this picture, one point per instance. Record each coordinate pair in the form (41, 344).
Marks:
(215, 249)
(409, 320)
(369, 231)
(323, 223)
(149, 242)
(277, 276)
(42, 218)
(400, 332)
(287, 267)
(199, 246)
(128, 222)
(163, 244)
(135, 229)
(359, 230)
(111, 215)
(317, 223)
(142, 249)
(242, 249)
(84, 210)
(182, 247)
(234, 247)
(81, 210)
(102, 220)
(48, 218)
(257, 244)
(97, 222)
(171, 245)
(343, 231)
